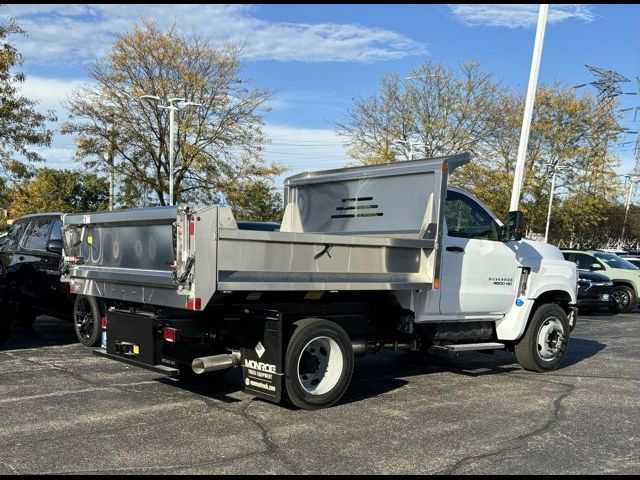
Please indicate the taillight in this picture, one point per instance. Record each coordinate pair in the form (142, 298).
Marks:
(170, 334)
(103, 323)
(194, 304)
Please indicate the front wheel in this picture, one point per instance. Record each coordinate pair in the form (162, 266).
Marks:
(624, 297)
(87, 320)
(545, 342)
(318, 364)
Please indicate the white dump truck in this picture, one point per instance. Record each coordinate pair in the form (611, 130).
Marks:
(366, 258)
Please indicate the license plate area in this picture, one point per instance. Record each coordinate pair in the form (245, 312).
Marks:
(133, 336)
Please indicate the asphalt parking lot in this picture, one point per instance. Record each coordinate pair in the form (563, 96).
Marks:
(63, 410)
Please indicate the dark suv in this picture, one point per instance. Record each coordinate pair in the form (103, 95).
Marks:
(30, 263)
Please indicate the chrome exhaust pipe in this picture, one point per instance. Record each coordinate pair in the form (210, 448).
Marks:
(215, 362)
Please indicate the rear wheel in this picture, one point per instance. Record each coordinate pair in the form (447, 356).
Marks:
(87, 320)
(624, 297)
(318, 364)
(545, 342)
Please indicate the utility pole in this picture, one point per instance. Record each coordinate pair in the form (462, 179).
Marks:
(109, 157)
(172, 132)
(633, 179)
(528, 108)
(556, 167)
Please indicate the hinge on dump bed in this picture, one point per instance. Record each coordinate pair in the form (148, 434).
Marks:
(184, 276)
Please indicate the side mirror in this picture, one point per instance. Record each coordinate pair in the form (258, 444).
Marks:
(54, 246)
(596, 266)
(515, 226)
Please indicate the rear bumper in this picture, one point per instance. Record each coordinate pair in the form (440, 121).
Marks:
(163, 369)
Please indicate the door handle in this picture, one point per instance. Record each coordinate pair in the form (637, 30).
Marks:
(455, 249)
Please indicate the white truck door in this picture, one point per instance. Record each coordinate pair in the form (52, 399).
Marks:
(479, 273)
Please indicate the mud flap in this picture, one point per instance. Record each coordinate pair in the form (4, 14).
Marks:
(262, 356)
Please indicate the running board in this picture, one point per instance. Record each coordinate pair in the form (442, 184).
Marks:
(454, 349)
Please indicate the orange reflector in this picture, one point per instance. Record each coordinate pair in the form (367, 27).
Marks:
(445, 168)
(436, 283)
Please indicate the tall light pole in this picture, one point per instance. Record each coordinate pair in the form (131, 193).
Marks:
(556, 167)
(528, 108)
(172, 111)
(409, 151)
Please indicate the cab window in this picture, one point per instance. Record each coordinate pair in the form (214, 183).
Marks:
(584, 261)
(466, 219)
(56, 231)
(14, 235)
(38, 235)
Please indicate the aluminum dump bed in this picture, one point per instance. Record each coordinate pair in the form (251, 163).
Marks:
(362, 228)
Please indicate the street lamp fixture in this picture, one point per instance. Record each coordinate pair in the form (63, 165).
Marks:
(172, 109)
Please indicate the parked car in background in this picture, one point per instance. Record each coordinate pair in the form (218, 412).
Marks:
(595, 291)
(30, 269)
(631, 257)
(624, 275)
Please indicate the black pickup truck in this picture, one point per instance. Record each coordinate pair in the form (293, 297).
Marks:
(595, 291)
(30, 262)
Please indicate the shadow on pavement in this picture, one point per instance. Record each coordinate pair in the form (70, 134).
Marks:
(581, 349)
(46, 331)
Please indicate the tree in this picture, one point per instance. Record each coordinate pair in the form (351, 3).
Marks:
(445, 111)
(442, 110)
(52, 190)
(567, 130)
(256, 201)
(21, 126)
(218, 145)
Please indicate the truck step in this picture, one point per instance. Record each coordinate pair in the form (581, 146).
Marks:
(454, 349)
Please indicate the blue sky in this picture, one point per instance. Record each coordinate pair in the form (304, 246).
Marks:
(319, 57)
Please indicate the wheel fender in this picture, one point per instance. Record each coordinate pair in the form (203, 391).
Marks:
(514, 324)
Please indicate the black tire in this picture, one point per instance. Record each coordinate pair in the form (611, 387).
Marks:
(87, 319)
(624, 297)
(311, 349)
(613, 308)
(544, 344)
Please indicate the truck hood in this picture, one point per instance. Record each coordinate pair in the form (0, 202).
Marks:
(549, 269)
(531, 253)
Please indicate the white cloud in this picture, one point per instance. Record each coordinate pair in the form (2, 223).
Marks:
(518, 15)
(73, 34)
(49, 92)
(304, 149)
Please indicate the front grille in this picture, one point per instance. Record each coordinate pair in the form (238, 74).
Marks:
(595, 291)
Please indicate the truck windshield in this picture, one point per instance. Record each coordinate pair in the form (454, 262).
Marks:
(614, 261)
